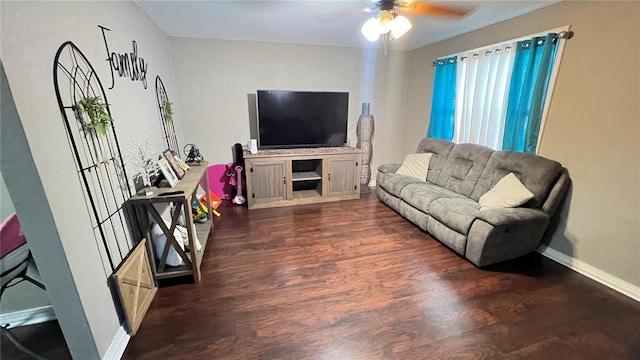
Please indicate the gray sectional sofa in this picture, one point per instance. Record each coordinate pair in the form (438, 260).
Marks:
(446, 204)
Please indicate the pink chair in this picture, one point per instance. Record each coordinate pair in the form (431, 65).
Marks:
(219, 175)
(14, 261)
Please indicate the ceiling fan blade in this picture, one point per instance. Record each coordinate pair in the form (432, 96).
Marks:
(421, 8)
(338, 15)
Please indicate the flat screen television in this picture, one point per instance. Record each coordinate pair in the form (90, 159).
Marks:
(295, 119)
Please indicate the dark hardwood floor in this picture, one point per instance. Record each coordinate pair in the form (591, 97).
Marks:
(353, 280)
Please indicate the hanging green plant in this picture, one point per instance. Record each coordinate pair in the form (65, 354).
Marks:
(99, 119)
(168, 111)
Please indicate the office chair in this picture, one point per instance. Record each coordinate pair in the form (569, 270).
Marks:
(14, 261)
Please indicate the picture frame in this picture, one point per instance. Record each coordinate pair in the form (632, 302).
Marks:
(177, 169)
(183, 164)
(167, 171)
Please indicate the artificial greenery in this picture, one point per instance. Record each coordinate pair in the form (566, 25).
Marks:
(99, 118)
(168, 110)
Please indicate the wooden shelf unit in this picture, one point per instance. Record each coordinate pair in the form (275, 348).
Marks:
(145, 213)
(305, 175)
(302, 176)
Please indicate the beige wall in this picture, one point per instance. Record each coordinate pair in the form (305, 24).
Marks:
(592, 128)
(31, 34)
(215, 77)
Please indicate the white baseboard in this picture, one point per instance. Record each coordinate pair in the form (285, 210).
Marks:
(118, 345)
(592, 272)
(28, 316)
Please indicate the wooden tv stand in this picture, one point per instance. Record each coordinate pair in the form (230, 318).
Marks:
(302, 176)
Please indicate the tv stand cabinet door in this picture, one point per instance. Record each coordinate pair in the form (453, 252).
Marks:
(266, 182)
(343, 175)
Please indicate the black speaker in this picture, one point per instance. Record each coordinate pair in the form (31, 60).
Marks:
(238, 157)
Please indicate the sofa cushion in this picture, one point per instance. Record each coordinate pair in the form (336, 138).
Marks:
(457, 242)
(394, 184)
(415, 165)
(421, 195)
(417, 217)
(508, 192)
(535, 172)
(463, 167)
(385, 197)
(456, 213)
(440, 150)
(389, 168)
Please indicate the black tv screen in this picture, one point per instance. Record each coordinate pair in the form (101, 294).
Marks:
(294, 119)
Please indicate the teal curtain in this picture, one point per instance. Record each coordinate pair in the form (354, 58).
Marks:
(443, 103)
(527, 92)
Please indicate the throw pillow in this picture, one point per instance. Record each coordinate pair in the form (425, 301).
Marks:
(507, 193)
(415, 165)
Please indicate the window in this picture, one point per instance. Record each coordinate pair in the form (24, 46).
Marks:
(499, 92)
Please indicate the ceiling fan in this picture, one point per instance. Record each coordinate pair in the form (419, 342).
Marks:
(390, 16)
(420, 8)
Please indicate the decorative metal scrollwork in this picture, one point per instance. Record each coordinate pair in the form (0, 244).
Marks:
(98, 158)
(166, 117)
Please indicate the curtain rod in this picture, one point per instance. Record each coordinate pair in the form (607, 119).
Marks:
(565, 35)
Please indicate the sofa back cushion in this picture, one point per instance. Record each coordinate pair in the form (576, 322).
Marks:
(463, 167)
(415, 165)
(535, 172)
(440, 150)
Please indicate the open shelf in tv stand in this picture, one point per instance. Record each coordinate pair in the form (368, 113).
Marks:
(282, 177)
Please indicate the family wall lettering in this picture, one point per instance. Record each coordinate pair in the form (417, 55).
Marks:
(126, 64)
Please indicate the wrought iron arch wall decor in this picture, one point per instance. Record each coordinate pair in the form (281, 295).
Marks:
(98, 158)
(167, 121)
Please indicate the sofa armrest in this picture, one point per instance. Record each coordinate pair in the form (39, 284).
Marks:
(512, 216)
(389, 168)
(502, 234)
(557, 193)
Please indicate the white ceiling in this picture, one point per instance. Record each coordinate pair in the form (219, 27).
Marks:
(319, 22)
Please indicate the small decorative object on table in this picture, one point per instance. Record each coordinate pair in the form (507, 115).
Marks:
(183, 164)
(177, 169)
(142, 155)
(192, 152)
(167, 171)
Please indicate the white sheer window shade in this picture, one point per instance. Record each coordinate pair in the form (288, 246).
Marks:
(482, 86)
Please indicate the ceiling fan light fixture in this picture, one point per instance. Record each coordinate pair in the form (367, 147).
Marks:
(371, 29)
(399, 26)
(386, 19)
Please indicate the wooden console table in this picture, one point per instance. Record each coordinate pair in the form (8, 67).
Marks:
(302, 176)
(145, 213)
